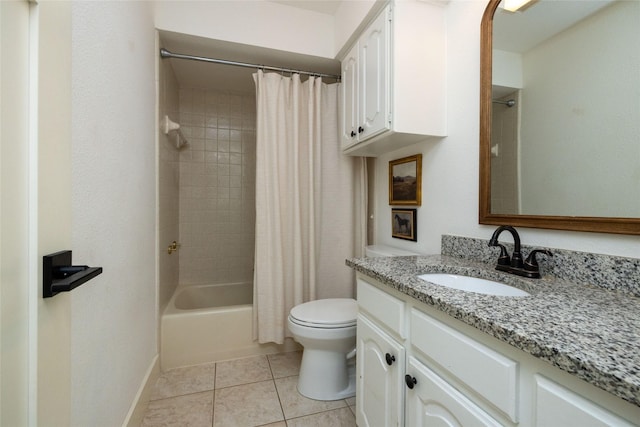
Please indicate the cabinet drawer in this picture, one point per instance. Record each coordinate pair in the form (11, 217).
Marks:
(556, 405)
(492, 375)
(386, 309)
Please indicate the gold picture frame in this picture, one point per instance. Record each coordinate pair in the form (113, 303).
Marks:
(405, 181)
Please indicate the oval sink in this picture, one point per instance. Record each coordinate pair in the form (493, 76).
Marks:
(473, 284)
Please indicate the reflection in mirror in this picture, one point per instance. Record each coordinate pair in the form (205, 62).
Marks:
(560, 137)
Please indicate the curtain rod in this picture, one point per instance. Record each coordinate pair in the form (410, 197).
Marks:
(164, 53)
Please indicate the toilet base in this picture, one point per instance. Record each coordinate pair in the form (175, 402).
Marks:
(326, 375)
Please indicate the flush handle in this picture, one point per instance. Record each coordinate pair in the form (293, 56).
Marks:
(59, 275)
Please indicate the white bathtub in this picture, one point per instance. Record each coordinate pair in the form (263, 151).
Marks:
(209, 323)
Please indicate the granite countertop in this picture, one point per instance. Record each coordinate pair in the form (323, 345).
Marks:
(590, 332)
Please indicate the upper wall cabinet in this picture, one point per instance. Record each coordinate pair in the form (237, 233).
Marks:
(393, 80)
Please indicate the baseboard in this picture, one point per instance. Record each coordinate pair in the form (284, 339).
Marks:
(139, 405)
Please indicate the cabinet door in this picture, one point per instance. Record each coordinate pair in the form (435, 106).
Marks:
(349, 114)
(374, 77)
(433, 402)
(379, 390)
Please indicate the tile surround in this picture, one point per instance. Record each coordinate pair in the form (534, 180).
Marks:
(217, 186)
(253, 391)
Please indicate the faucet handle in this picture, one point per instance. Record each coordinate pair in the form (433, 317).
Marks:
(504, 258)
(531, 263)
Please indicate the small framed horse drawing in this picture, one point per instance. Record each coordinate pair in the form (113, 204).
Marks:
(404, 224)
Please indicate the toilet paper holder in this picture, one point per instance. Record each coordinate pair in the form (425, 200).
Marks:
(59, 275)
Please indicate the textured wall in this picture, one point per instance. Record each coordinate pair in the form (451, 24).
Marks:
(113, 330)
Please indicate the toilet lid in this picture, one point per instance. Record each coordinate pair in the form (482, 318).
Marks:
(326, 313)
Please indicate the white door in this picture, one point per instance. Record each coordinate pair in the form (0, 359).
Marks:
(374, 79)
(350, 98)
(14, 213)
(380, 365)
(35, 218)
(433, 402)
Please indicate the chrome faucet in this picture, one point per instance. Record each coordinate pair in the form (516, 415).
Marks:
(514, 264)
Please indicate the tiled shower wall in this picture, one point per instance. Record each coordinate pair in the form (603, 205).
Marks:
(168, 185)
(217, 186)
(504, 166)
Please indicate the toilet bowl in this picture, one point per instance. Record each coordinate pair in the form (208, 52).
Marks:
(326, 328)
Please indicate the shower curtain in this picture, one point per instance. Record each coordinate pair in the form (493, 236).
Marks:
(310, 201)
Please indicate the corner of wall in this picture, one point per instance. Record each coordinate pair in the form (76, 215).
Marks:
(141, 401)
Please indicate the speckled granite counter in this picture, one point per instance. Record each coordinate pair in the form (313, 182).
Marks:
(588, 331)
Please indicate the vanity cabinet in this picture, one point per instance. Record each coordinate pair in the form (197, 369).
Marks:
(418, 366)
(380, 364)
(393, 80)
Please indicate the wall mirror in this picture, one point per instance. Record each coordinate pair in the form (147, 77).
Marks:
(560, 115)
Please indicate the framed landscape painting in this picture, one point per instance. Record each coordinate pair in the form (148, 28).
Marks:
(405, 181)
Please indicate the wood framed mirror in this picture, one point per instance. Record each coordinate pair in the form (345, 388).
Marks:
(595, 186)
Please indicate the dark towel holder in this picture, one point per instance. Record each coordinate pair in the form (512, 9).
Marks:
(58, 275)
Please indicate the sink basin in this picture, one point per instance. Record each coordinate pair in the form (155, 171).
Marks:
(473, 284)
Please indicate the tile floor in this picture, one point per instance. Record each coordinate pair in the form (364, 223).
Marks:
(248, 392)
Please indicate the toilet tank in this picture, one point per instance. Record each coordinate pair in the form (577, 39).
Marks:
(381, 250)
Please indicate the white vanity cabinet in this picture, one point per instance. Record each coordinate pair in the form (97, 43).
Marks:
(393, 80)
(417, 366)
(380, 358)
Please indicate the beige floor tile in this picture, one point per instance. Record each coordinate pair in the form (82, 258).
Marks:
(351, 401)
(179, 381)
(285, 364)
(296, 405)
(247, 405)
(342, 417)
(242, 371)
(195, 410)
(278, 424)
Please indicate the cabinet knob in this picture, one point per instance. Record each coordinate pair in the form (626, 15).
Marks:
(411, 381)
(360, 129)
(390, 359)
(353, 133)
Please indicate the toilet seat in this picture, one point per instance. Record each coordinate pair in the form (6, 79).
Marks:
(328, 313)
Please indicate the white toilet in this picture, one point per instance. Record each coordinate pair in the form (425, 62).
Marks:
(326, 328)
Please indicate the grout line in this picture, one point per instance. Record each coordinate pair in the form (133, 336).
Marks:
(213, 400)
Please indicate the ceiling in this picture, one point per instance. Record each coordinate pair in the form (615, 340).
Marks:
(227, 77)
(323, 6)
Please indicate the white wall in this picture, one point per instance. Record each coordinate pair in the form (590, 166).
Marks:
(252, 22)
(113, 332)
(450, 166)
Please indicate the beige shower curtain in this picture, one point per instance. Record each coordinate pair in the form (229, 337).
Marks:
(310, 201)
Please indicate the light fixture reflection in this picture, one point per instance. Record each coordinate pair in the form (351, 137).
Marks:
(515, 5)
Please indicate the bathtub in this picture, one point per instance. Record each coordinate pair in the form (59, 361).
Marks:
(209, 323)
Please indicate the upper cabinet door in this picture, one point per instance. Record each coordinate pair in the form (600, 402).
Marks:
(350, 98)
(374, 82)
